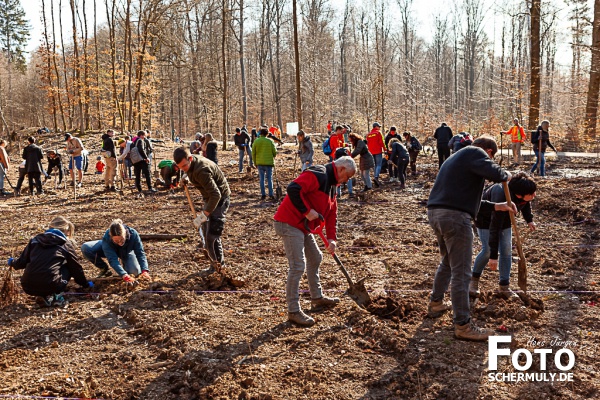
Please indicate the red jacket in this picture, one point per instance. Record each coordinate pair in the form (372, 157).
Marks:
(375, 142)
(314, 188)
(336, 141)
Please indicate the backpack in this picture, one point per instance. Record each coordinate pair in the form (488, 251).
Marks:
(466, 140)
(416, 145)
(535, 137)
(327, 147)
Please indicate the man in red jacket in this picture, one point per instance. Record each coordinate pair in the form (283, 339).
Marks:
(376, 146)
(336, 140)
(311, 194)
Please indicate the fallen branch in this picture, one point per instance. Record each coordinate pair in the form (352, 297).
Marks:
(162, 236)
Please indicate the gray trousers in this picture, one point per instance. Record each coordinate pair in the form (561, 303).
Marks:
(455, 238)
(302, 253)
(516, 150)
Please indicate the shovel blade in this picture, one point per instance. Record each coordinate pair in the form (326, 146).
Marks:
(359, 293)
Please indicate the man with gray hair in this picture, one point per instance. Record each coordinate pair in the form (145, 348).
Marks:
(310, 197)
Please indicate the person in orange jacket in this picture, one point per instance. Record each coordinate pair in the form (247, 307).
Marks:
(336, 140)
(517, 136)
(376, 145)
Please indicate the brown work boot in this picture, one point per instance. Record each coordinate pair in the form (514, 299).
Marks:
(437, 308)
(323, 302)
(474, 287)
(469, 331)
(299, 318)
(507, 293)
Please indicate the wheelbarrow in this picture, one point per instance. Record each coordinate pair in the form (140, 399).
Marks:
(356, 291)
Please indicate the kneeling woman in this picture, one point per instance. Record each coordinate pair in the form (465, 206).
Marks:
(120, 242)
(50, 261)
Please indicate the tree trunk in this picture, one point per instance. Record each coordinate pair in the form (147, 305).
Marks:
(49, 68)
(77, 69)
(224, 66)
(591, 109)
(242, 65)
(534, 94)
(297, 62)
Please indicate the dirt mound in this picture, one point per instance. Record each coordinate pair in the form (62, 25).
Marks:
(397, 308)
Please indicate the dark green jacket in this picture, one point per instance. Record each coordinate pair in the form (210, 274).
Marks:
(209, 179)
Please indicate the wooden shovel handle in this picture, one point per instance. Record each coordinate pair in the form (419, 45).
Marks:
(513, 221)
(190, 202)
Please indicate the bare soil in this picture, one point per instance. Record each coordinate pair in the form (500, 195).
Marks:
(186, 335)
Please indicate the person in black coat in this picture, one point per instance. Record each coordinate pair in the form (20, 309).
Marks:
(50, 261)
(142, 166)
(399, 158)
(443, 134)
(33, 156)
(54, 161)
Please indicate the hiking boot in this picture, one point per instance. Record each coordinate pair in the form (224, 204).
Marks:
(474, 287)
(153, 190)
(104, 273)
(113, 189)
(271, 198)
(17, 192)
(44, 301)
(263, 197)
(208, 270)
(59, 301)
(437, 308)
(79, 184)
(299, 318)
(324, 302)
(107, 188)
(507, 293)
(366, 189)
(376, 182)
(403, 186)
(351, 195)
(469, 331)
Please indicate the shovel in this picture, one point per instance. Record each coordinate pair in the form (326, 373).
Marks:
(522, 261)
(356, 291)
(278, 190)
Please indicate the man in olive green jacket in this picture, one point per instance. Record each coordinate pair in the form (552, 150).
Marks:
(263, 155)
(207, 177)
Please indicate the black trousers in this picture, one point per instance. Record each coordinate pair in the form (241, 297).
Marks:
(443, 152)
(34, 179)
(138, 169)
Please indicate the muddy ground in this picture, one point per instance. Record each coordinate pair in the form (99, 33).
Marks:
(169, 339)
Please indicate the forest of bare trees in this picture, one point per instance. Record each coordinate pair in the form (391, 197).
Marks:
(210, 65)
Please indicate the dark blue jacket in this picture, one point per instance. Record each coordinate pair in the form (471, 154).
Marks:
(113, 252)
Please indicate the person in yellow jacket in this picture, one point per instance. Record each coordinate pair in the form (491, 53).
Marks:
(517, 136)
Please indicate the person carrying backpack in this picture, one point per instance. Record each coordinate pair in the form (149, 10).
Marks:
(540, 140)
(414, 147)
(305, 150)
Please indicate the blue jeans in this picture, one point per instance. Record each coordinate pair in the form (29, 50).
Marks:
(92, 251)
(302, 253)
(242, 152)
(348, 184)
(543, 162)
(305, 165)
(265, 171)
(455, 238)
(2, 172)
(378, 160)
(504, 254)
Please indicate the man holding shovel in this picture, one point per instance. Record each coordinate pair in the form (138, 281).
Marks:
(207, 177)
(310, 195)
(454, 200)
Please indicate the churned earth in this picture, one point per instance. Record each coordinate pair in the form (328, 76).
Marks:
(186, 335)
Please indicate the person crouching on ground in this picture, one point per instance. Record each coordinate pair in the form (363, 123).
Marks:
(170, 174)
(495, 232)
(120, 244)
(50, 261)
(311, 194)
(454, 200)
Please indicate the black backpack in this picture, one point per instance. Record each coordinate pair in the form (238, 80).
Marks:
(535, 136)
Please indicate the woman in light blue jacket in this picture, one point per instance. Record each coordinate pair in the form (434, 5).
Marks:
(122, 247)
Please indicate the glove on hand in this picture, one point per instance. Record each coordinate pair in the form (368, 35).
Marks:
(10, 261)
(200, 219)
(90, 284)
